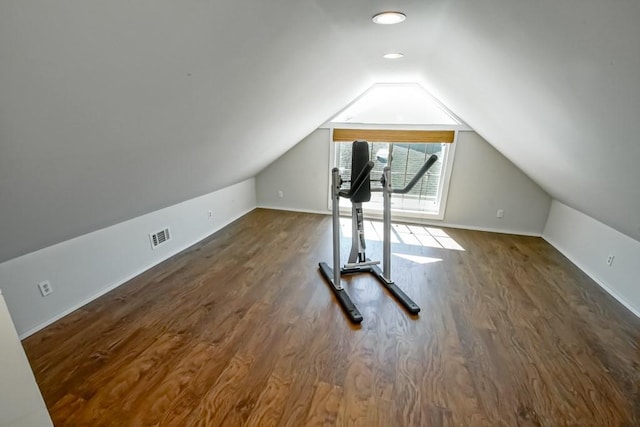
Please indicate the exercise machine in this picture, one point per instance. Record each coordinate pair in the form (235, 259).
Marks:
(358, 193)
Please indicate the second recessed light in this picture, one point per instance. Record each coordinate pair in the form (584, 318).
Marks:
(394, 55)
(388, 18)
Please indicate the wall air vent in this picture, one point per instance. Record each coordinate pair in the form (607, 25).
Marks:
(159, 237)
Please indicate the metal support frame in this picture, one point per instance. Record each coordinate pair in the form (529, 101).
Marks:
(386, 217)
(358, 262)
(332, 275)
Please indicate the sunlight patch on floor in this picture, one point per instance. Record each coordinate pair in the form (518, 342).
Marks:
(418, 259)
(406, 234)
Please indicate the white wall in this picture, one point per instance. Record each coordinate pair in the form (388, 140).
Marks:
(88, 266)
(302, 174)
(482, 182)
(588, 243)
(21, 404)
(125, 107)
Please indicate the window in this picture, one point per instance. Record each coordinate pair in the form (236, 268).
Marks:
(426, 199)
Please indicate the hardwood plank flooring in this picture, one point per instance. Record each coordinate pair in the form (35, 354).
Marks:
(241, 329)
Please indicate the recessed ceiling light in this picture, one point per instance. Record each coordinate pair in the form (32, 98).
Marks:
(394, 55)
(388, 18)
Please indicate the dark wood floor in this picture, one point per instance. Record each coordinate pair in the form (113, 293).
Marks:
(242, 330)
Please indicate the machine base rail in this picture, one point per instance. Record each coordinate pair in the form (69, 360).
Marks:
(345, 301)
(398, 293)
(343, 297)
(394, 289)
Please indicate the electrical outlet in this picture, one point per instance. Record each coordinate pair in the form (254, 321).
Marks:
(45, 288)
(610, 260)
(280, 194)
(500, 213)
(210, 214)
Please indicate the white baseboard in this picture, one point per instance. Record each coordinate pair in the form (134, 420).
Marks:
(487, 229)
(415, 221)
(588, 243)
(592, 276)
(280, 208)
(125, 279)
(88, 266)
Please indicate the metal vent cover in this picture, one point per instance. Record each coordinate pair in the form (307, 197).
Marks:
(160, 237)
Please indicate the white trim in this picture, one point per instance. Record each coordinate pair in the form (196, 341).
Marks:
(395, 219)
(280, 208)
(444, 184)
(371, 212)
(487, 229)
(593, 276)
(124, 280)
(332, 162)
(184, 247)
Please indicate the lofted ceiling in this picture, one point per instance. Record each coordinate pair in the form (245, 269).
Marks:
(112, 109)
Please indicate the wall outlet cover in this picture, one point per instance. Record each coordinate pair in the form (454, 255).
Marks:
(45, 288)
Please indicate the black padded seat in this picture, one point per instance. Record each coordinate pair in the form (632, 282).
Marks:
(359, 159)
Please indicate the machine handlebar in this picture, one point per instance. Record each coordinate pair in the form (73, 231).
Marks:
(427, 165)
(358, 182)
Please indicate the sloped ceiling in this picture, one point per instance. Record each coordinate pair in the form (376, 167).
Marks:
(112, 109)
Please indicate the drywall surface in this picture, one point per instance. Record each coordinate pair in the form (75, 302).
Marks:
(588, 243)
(124, 107)
(21, 404)
(482, 182)
(302, 174)
(113, 109)
(553, 86)
(86, 267)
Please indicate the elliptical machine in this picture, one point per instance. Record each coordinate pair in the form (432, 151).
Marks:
(360, 192)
